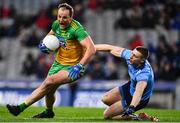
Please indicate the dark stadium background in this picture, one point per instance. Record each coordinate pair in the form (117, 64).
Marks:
(127, 23)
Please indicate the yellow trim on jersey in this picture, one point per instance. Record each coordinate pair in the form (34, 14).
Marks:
(74, 25)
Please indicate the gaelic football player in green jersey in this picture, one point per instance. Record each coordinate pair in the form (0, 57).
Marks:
(76, 49)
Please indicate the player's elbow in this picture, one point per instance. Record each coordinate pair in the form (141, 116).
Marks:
(93, 50)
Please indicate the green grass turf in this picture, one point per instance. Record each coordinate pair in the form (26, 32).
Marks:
(69, 114)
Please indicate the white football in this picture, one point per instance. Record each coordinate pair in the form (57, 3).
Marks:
(51, 42)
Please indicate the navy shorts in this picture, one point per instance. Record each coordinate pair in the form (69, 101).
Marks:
(124, 91)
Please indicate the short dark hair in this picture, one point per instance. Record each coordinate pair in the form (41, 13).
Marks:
(144, 51)
(68, 7)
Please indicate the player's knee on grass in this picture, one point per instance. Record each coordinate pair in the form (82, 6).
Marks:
(105, 115)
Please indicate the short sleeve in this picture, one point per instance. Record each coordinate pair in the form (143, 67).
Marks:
(126, 54)
(143, 76)
(54, 26)
(81, 34)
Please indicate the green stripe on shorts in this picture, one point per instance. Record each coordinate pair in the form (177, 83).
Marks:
(56, 67)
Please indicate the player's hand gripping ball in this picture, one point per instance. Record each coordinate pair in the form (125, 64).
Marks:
(49, 44)
(43, 48)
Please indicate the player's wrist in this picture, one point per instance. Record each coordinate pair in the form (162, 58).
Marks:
(132, 107)
(81, 65)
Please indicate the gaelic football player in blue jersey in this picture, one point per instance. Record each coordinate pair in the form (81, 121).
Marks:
(135, 94)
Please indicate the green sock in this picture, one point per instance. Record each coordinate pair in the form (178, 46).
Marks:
(23, 106)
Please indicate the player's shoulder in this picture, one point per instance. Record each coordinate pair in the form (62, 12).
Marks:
(126, 53)
(56, 22)
(75, 25)
(127, 50)
(146, 68)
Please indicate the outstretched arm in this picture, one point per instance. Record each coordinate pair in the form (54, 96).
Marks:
(114, 50)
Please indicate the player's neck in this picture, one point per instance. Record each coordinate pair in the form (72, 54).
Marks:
(139, 65)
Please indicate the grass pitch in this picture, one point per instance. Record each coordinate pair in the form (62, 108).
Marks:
(70, 114)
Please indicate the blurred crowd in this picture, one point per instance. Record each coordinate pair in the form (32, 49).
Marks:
(165, 57)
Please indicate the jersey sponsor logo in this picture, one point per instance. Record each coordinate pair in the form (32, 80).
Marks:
(61, 39)
(67, 35)
(62, 42)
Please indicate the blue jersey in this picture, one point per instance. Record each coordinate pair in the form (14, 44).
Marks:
(143, 73)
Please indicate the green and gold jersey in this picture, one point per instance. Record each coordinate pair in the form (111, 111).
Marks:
(72, 35)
